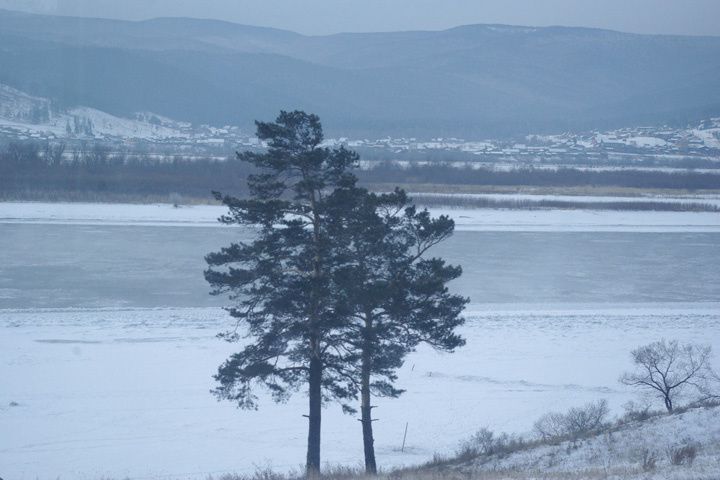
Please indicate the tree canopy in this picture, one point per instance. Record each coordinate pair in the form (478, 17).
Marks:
(334, 288)
(392, 296)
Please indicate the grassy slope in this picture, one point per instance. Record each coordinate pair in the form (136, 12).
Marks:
(634, 450)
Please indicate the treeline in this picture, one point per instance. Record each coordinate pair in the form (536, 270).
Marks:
(464, 201)
(562, 177)
(33, 170)
(36, 171)
(640, 159)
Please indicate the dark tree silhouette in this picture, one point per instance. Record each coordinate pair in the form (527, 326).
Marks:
(281, 282)
(394, 297)
(334, 290)
(669, 368)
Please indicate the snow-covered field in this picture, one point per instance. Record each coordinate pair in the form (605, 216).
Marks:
(107, 337)
(466, 219)
(121, 393)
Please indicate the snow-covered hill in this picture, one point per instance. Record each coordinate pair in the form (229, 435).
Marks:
(705, 136)
(639, 450)
(142, 127)
(21, 107)
(25, 115)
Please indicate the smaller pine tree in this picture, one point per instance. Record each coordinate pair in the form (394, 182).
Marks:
(394, 297)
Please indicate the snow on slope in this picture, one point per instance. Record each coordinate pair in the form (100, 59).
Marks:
(706, 135)
(102, 124)
(619, 454)
(710, 137)
(33, 116)
(646, 142)
(16, 105)
(105, 124)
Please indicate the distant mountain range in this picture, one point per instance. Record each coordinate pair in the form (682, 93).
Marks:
(475, 81)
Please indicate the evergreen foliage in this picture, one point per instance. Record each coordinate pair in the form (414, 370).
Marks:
(393, 297)
(334, 290)
(282, 281)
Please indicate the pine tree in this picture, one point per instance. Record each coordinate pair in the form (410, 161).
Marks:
(335, 289)
(394, 297)
(281, 283)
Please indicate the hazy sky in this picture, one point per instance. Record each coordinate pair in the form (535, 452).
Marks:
(695, 17)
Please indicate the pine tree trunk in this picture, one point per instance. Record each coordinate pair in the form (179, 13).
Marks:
(365, 407)
(314, 417)
(368, 440)
(312, 464)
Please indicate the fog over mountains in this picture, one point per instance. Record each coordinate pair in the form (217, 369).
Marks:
(474, 81)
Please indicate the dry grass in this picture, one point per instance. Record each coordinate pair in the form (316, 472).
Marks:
(448, 474)
(595, 474)
(458, 201)
(585, 190)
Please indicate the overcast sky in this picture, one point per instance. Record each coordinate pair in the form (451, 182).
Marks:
(694, 17)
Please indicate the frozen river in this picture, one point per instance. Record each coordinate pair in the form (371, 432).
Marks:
(71, 266)
(107, 346)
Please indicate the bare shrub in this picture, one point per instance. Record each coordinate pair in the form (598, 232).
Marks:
(550, 426)
(484, 442)
(710, 402)
(343, 472)
(575, 423)
(506, 444)
(649, 460)
(670, 369)
(479, 444)
(683, 455)
(436, 460)
(586, 419)
(635, 412)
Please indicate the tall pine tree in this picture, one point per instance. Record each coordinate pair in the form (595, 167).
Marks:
(281, 283)
(335, 289)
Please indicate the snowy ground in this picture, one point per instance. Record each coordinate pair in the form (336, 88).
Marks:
(121, 393)
(466, 219)
(114, 386)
